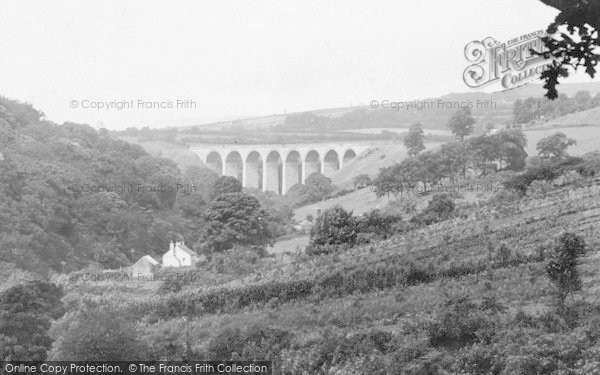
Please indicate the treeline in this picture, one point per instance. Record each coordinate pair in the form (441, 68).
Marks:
(532, 109)
(503, 150)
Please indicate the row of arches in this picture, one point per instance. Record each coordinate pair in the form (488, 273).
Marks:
(272, 172)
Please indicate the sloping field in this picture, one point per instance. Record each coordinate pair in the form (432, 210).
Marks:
(591, 117)
(392, 301)
(587, 137)
(359, 202)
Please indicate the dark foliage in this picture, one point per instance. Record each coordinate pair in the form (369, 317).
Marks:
(26, 313)
(235, 219)
(334, 228)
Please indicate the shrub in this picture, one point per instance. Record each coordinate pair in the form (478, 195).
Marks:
(237, 261)
(591, 164)
(462, 322)
(171, 285)
(334, 228)
(96, 333)
(377, 225)
(562, 268)
(441, 207)
(254, 342)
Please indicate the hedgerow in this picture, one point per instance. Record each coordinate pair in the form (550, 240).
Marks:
(396, 271)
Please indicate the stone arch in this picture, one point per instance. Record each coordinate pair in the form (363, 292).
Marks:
(293, 170)
(272, 172)
(331, 162)
(234, 165)
(254, 170)
(312, 164)
(349, 155)
(215, 162)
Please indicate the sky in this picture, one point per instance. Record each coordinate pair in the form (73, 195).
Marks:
(239, 58)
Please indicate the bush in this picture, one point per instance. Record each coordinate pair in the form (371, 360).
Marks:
(376, 225)
(441, 207)
(591, 164)
(462, 322)
(562, 268)
(237, 261)
(256, 342)
(171, 285)
(334, 228)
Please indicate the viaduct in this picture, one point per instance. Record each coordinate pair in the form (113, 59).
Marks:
(276, 168)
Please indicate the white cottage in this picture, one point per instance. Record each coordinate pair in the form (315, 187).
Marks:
(179, 255)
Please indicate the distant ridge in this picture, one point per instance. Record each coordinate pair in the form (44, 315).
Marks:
(501, 97)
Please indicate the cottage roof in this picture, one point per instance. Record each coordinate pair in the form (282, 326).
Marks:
(149, 259)
(186, 249)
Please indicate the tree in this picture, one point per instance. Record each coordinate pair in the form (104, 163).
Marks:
(278, 207)
(554, 146)
(562, 268)
(26, 311)
(319, 183)
(386, 182)
(235, 219)
(502, 150)
(414, 141)
(511, 149)
(316, 187)
(456, 157)
(582, 100)
(225, 185)
(577, 47)
(461, 123)
(402, 176)
(411, 172)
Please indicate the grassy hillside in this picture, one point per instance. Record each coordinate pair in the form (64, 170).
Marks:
(587, 138)
(590, 117)
(468, 295)
(176, 152)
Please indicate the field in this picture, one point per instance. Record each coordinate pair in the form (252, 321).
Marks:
(587, 138)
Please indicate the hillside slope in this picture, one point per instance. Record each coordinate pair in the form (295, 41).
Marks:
(590, 117)
(455, 296)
